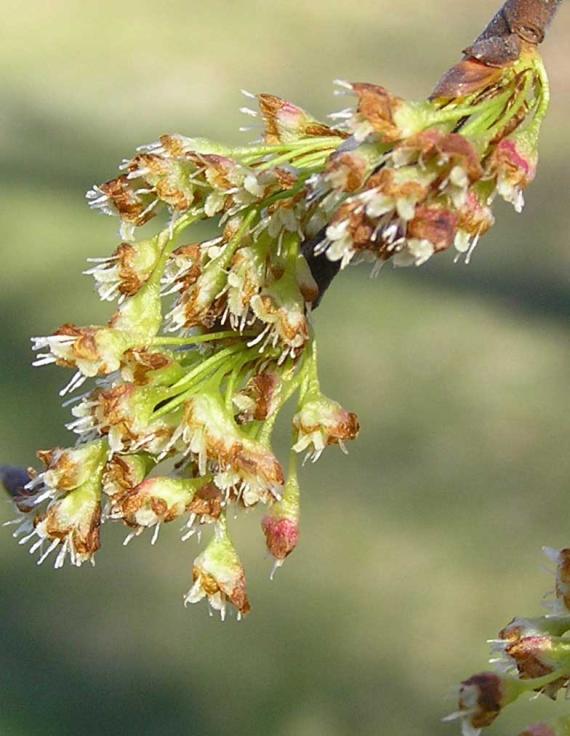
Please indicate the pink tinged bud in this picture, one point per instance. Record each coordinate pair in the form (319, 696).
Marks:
(322, 422)
(514, 163)
(218, 576)
(281, 524)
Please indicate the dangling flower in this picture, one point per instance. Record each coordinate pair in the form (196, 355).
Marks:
(281, 524)
(218, 576)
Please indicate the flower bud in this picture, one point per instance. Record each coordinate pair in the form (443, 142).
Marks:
(218, 576)
(281, 524)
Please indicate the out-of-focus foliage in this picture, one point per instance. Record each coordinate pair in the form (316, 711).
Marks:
(415, 548)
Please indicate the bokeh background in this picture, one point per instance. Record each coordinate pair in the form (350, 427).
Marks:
(417, 547)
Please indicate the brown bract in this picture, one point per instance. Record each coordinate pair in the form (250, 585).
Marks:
(262, 390)
(141, 362)
(68, 471)
(131, 206)
(475, 217)
(281, 536)
(166, 176)
(350, 168)
(465, 78)
(285, 120)
(207, 502)
(377, 106)
(436, 224)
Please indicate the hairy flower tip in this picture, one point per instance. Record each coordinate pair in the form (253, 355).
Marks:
(281, 307)
(321, 422)
(561, 559)
(65, 470)
(134, 205)
(246, 277)
(475, 219)
(127, 270)
(170, 180)
(347, 171)
(245, 469)
(481, 700)
(281, 524)
(219, 576)
(286, 123)
(259, 398)
(124, 415)
(154, 501)
(514, 163)
(71, 523)
(381, 113)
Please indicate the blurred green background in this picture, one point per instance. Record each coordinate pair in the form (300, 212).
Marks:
(417, 547)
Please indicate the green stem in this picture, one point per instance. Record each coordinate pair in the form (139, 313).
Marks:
(196, 339)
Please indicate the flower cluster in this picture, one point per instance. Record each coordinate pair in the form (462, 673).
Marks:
(211, 337)
(531, 655)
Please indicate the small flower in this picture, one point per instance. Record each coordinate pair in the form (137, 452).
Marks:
(73, 518)
(122, 473)
(218, 576)
(281, 307)
(378, 112)
(287, 123)
(127, 270)
(322, 422)
(153, 502)
(481, 699)
(124, 415)
(65, 470)
(258, 399)
(209, 432)
(514, 162)
(135, 206)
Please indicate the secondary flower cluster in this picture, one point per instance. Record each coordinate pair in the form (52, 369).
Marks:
(531, 655)
(211, 337)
